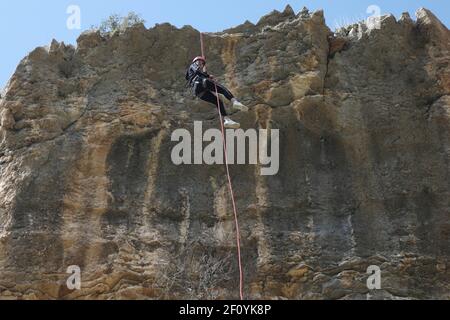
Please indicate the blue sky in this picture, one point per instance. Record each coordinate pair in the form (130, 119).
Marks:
(26, 24)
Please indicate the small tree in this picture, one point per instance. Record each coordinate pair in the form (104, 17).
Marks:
(131, 19)
(116, 23)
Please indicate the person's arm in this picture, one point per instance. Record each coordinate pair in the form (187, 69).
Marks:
(199, 72)
(210, 76)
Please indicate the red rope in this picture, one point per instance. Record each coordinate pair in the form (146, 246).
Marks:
(202, 46)
(236, 220)
(238, 238)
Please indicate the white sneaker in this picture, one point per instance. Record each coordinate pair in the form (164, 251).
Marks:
(239, 106)
(230, 124)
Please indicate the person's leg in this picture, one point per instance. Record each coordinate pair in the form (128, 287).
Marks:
(220, 89)
(208, 96)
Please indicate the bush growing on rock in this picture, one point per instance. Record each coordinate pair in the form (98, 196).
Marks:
(117, 23)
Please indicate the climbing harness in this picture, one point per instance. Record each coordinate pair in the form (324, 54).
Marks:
(230, 185)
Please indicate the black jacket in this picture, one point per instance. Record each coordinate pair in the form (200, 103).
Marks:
(195, 73)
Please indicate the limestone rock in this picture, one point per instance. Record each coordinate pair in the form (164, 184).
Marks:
(276, 17)
(87, 178)
(7, 121)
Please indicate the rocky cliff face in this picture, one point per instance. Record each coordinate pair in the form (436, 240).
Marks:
(364, 117)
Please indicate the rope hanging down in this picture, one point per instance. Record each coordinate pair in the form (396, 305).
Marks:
(238, 237)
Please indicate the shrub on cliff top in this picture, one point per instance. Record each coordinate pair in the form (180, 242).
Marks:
(116, 23)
